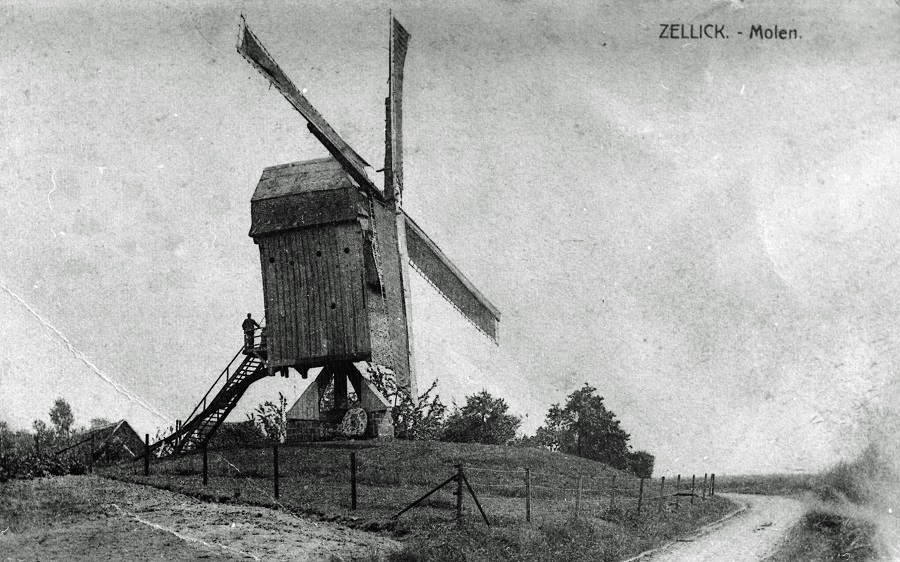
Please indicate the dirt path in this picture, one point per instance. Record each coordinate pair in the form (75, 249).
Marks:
(81, 518)
(749, 537)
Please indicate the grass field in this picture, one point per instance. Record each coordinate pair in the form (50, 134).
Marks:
(599, 523)
(796, 485)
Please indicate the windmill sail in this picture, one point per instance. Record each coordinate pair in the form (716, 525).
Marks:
(393, 153)
(437, 268)
(252, 50)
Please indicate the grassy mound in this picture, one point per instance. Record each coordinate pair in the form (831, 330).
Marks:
(580, 509)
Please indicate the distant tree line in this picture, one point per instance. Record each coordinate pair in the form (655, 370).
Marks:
(583, 426)
(27, 454)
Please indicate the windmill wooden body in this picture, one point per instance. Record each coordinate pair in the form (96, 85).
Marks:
(335, 252)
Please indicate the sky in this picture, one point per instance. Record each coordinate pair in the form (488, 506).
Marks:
(705, 230)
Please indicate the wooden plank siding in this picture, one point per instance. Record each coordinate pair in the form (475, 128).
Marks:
(315, 295)
(333, 273)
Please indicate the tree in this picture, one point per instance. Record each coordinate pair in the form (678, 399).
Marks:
(483, 419)
(584, 427)
(640, 463)
(413, 419)
(43, 435)
(61, 417)
(97, 423)
(41, 429)
(271, 419)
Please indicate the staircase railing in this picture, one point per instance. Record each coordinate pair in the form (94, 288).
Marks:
(201, 405)
(226, 372)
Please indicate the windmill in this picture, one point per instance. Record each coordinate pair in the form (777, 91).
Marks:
(335, 252)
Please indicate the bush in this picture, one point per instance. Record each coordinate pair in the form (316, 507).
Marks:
(640, 463)
(483, 419)
(413, 419)
(22, 456)
(236, 434)
(33, 466)
(270, 419)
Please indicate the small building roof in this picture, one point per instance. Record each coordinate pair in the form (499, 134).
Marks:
(120, 433)
(108, 431)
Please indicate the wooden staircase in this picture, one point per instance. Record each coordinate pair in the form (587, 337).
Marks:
(208, 415)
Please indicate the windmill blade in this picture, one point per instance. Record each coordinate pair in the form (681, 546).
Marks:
(393, 152)
(437, 268)
(252, 50)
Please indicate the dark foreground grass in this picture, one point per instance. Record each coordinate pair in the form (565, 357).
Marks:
(576, 540)
(845, 508)
(826, 537)
(599, 523)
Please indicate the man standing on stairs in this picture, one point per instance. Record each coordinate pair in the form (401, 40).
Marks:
(248, 326)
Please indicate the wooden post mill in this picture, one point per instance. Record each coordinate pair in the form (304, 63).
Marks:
(335, 251)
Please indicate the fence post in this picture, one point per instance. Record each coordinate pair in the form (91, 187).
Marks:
(275, 468)
(712, 491)
(91, 456)
(578, 497)
(662, 493)
(146, 454)
(353, 480)
(677, 490)
(693, 483)
(528, 495)
(640, 496)
(459, 492)
(612, 494)
(704, 486)
(205, 465)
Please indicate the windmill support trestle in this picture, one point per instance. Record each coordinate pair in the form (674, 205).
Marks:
(321, 408)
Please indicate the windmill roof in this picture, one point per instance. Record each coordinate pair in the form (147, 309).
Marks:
(301, 177)
(302, 194)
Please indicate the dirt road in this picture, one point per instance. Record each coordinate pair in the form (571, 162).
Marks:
(749, 537)
(84, 518)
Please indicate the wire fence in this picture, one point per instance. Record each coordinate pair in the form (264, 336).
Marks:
(357, 478)
(608, 497)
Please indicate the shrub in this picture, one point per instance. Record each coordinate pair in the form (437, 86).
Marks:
(413, 419)
(483, 419)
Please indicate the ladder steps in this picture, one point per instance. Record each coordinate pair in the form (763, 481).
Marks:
(250, 370)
